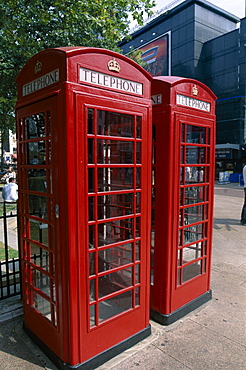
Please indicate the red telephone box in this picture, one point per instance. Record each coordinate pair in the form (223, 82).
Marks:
(182, 196)
(84, 149)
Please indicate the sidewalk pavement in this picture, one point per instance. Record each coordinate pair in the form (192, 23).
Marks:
(211, 337)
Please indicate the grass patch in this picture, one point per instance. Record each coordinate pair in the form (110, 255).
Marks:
(12, 253)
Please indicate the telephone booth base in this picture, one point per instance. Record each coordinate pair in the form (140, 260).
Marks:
(182, 311)
(93, 362)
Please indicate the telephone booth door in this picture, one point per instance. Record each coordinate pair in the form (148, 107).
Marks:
(84, 169)
(182, 196)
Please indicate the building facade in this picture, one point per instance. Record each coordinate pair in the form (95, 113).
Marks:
(196, 39)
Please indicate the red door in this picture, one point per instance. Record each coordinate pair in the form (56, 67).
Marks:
(194, 204)
(113, 219)
(39, 225)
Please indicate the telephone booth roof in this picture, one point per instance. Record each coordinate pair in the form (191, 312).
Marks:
(68, 61)
(183, 85)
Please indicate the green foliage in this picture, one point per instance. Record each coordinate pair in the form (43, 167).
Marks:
(28, 26)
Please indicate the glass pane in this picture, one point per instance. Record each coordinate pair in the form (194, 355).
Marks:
(41, 281)
(195, 194)
(115, 231)
(115, 124)
(115, 152)
(92, 316)
(139, 127)
(114, 282)
(42, 305)
(91, 236)
(138, 177)
(137, 274)
(115, 257)
(137, 296)
(115, 205)
(90, 150)
(138, 196)
(191, 271)
(37, 180)
(195, 155)
(92, 290)
(195, 134)
(137, 250)
(90, 180)
(114, 306)
(39, 232)
(92, 263)
(35, 126)
(194, 174)
(36, 153)
(193, 233)
(110, 179)
(37, 206)
(193, 214)
(138, 154)
(192, 252)
(39, 256)
(91, 208)
(90, 121)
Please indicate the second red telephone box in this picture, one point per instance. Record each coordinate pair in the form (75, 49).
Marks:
(182, 193)
(84, 169)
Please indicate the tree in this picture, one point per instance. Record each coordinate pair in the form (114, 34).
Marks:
(28, 26)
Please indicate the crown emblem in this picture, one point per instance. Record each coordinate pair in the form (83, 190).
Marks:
(113, 65)
(195, 90)
(38, 67)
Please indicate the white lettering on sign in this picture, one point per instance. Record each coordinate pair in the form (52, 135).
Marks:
(193, 103)
(156, 99)
(41, 82)
(104, 80)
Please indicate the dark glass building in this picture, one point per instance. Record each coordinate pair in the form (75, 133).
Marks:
(198, 40)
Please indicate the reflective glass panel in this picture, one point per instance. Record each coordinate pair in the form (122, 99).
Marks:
(114, 231)
(110, 179)
(42, 305)
(193, 214)
(115, 124)
(195, 134)
(39, 232)
(115, 205)
(191, 271)
(37, 180)
(37, 206)
(35, 126)
(193, 233)
(195, 194)
(39, 256)
(114, 306)
(36, 153)
(192, 252)
(194, 174)
(41, 281)
(115, 152)
(115, 257)
(195, 155)
(114, 282)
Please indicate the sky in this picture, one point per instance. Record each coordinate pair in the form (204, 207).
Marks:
(236, 7)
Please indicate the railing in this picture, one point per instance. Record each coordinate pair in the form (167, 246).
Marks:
(10, 276)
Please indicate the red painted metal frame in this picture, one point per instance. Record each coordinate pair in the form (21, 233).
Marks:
(167, 294)
(68, 100)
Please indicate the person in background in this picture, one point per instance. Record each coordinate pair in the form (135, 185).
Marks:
(243, 214)
(10, 191)
(9, 174)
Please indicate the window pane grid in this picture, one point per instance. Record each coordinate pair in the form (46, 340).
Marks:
(193, 207)
(114, 156)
